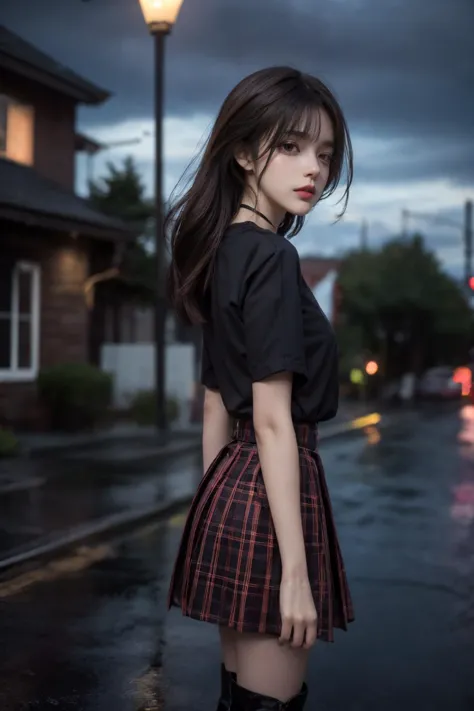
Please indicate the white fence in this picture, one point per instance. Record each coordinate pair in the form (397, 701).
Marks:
(132, 366)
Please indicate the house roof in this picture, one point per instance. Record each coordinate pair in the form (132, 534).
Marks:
(86, 144)
(29, 198)
(21, 57)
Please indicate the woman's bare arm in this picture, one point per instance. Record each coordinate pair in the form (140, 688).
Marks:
(216, 427)
(278, 454)
(279, 459)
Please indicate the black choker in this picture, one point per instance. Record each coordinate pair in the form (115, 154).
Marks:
(260, 214)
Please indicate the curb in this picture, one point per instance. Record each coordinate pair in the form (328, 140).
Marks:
(118, 523)
(151, 457)
(15, 486)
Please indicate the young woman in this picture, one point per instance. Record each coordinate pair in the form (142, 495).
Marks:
(259, 556)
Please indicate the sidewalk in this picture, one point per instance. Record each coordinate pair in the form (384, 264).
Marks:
(76, 490)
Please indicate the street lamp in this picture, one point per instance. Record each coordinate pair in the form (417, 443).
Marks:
(160, 16)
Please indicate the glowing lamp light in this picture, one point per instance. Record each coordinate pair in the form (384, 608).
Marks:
(356, 376)
(160, 15)
(371, 368)
(471, 283)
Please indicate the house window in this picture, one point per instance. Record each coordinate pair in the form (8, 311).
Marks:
(16, 130)
(3, 125)
(19, 320)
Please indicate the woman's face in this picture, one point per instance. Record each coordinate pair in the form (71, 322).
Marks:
(296, 175)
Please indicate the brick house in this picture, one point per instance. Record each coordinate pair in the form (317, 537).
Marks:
(51, 241)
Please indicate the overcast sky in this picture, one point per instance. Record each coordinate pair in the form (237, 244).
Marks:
(402, 69)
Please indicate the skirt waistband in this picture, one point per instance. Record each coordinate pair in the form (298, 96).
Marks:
(306, 433)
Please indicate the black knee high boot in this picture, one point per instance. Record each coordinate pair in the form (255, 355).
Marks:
(226, 689)
(245, 700)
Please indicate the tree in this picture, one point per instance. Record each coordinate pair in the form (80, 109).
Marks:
(400, 306)
(121, 193)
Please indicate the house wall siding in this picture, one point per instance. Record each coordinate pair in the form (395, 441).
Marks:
(64, 334)
(315, 269)
(54, 131)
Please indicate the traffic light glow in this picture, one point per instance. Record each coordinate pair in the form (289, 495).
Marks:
(463, 376)
(371, 368)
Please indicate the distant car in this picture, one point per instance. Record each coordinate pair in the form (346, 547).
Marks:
(438, 383)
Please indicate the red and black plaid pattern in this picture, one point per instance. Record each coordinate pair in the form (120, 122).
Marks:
(228, 568)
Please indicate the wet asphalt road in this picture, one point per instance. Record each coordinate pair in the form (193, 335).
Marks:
(92, 636)
(79, 490)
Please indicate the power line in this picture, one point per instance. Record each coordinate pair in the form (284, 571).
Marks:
(437, 219)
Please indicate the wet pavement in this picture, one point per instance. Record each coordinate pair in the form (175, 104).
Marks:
(87, 640)
(70, 493)
(91, 636)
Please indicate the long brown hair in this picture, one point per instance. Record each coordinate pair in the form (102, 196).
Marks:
(264, 107)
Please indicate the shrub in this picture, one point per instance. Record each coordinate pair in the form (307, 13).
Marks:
(77, 395)
(143, 408)
(9, 445)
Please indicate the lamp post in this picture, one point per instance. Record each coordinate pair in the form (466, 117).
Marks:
(160, 16)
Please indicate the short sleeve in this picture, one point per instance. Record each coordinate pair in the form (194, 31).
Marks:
(208, 376)
(273, 318)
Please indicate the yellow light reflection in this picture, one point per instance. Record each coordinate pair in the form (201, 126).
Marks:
(373, 435)
(365, 421)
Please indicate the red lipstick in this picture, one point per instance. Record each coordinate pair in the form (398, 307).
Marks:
(307, 192)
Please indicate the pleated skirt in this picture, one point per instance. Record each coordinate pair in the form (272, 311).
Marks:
(228, 567)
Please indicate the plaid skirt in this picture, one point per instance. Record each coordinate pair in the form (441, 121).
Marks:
(228, 567)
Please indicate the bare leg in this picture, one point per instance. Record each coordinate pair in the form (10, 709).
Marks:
(268, 668)
(228, 648)
(228, 668)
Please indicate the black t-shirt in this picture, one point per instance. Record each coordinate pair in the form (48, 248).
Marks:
(264, 319)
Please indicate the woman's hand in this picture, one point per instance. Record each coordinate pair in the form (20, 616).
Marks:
(298, 613)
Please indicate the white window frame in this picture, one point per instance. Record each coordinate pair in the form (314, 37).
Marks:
(14, 373)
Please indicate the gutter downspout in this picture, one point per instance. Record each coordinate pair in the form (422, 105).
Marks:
(106, 275)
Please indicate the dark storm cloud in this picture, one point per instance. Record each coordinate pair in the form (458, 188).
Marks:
(447, 157)
(401, 68)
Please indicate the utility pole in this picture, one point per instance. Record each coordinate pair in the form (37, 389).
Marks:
(468, 242)
(364, 230)
(405, 216)
(466, 230)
